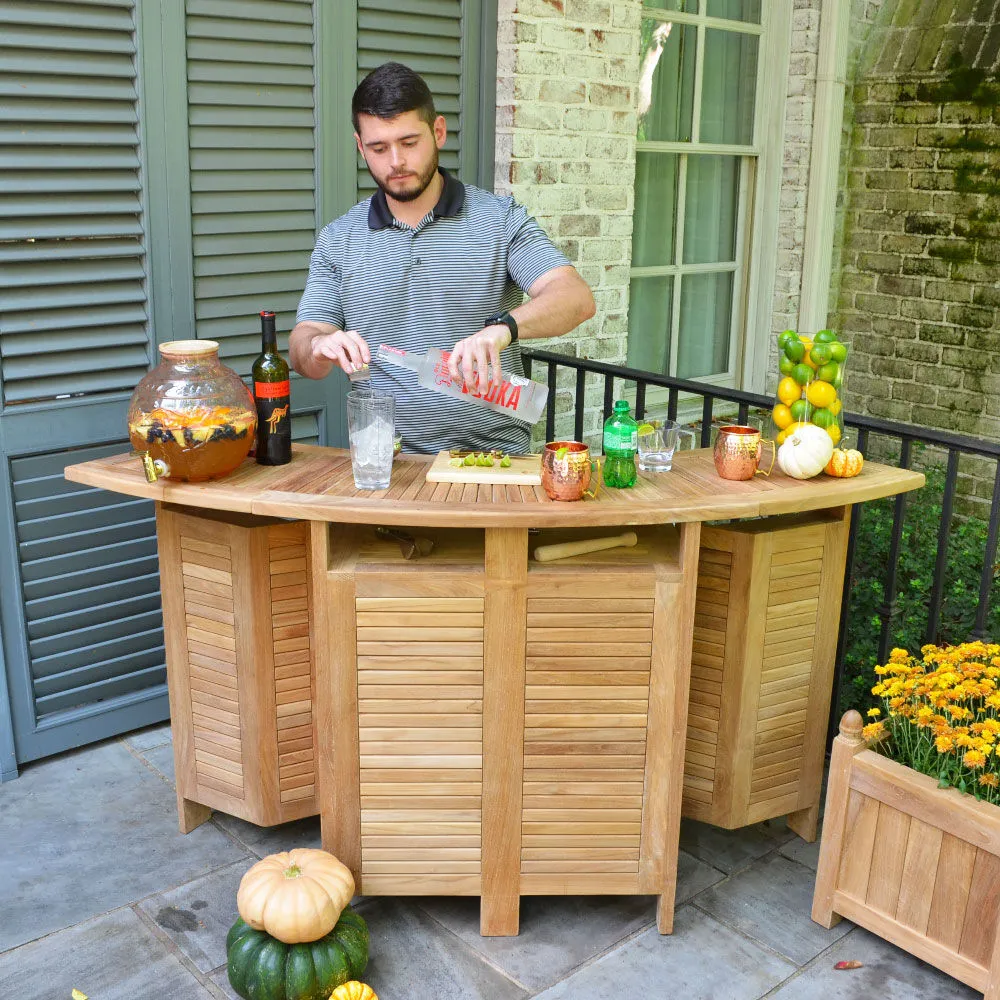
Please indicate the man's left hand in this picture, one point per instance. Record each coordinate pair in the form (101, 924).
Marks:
(476, 360)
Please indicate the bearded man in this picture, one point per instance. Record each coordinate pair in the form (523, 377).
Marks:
(428, 261)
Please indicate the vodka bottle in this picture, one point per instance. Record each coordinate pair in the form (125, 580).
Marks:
(516, 396)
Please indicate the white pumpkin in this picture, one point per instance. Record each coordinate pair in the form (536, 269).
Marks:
(806, 452)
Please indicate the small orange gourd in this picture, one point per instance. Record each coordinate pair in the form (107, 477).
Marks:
(845, 463)
(353, 991)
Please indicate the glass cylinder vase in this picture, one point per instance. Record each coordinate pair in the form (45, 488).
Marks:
(810, 386)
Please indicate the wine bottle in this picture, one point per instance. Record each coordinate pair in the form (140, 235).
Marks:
(272, 396)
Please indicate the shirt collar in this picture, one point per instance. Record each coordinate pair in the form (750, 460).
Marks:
(450, 203)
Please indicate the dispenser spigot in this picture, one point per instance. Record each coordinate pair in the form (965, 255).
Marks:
(154, 468)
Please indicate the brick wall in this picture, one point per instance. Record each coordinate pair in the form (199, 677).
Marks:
(918, 298)
(566, 126)
(864, 14)
(799, 107)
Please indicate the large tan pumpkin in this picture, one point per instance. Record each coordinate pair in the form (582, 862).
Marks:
(295, 896)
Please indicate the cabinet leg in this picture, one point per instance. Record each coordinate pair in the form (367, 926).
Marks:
(665, 912)
(191, 814)
(500, 916)
(805, 822)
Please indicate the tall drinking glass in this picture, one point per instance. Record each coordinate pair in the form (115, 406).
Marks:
(371, 431)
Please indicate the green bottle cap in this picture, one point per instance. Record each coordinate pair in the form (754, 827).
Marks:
(621, 406)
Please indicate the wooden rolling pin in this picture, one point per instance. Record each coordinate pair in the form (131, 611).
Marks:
(563, 550)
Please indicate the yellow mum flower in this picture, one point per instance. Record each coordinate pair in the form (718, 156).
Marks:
(989, 781)
(874, 713)
(944, 744)
(974, 758)
(873, 732)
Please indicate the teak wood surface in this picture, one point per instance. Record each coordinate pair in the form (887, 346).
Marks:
(475, 722)
(318, 485)
(765, 639)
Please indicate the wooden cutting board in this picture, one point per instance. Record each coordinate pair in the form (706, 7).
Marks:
(524, 470)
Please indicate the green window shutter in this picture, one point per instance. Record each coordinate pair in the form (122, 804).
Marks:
(428, 39)
(90, 588)
(73, 313)
(252, 163)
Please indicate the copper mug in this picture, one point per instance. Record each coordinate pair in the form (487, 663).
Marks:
(567, 471)
(737, 452)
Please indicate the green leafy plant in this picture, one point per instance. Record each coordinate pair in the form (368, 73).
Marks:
(915, 582)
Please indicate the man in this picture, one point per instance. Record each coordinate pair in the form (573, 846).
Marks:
(430, 262)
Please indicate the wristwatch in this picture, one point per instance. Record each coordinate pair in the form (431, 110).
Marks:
(503, 319)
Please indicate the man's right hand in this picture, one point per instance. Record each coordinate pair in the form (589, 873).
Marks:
(316, 347)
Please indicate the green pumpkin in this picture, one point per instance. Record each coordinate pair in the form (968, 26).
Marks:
(263, 968)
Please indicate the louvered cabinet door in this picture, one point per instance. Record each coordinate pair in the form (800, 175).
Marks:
(420, 662)
(236, 595)
(766, 623)
(585, 719)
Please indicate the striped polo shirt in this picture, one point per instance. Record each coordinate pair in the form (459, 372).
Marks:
(430, 286)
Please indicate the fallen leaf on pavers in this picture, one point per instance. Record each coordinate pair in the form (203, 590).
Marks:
(852, 964)
(77, 995)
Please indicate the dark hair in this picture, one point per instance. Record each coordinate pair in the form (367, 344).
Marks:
(390, 90)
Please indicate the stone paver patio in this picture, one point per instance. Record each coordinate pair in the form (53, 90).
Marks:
(100, 892)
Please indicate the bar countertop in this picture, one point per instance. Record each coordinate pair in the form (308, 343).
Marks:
(318, 486)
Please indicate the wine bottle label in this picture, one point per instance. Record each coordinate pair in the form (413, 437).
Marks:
(271, 390)
(273, 407)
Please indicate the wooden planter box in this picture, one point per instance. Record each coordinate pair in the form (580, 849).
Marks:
(765, 639)
(236, 610)
(916, 864)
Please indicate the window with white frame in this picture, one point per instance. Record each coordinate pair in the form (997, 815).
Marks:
(696, 166)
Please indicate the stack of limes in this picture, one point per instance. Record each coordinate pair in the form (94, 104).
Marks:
(812, 373)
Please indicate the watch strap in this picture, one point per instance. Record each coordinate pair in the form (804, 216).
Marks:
(505, 319)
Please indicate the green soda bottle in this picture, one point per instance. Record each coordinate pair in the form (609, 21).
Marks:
(620, 444)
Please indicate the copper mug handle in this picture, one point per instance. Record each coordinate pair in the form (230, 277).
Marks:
(595, 478)
(774, 453)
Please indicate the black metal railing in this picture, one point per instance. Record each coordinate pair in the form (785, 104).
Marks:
(953, 445)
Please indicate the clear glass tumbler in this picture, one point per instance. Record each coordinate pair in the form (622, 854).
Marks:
(371, 431)
(658, 440)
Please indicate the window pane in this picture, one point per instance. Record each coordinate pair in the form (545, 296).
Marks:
(649, 323)
(690, 6)
(730, 77)
(734, 10)
(655, 209)
(666, 81)
(706, 311)
(713, 184)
